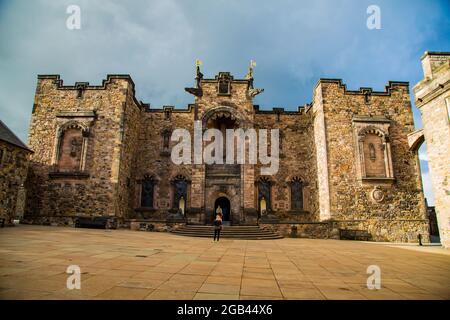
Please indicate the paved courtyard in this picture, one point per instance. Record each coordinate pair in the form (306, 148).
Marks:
(124, 264)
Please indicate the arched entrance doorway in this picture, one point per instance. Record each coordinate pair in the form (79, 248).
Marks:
(225, 206)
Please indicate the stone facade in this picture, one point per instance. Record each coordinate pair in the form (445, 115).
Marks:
(344, 159)
(433, 100)
(388, 203)
(14, 158)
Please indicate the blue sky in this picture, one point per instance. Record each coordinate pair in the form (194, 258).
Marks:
(294, 43)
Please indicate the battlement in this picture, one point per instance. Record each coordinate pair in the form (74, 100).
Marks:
(60, 83)
(391, 86)
(56, 78)
(303, 109)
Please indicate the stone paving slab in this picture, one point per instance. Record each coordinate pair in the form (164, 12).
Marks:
(123, 264)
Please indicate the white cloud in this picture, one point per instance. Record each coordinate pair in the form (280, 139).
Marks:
(152, 41)
(157, 41)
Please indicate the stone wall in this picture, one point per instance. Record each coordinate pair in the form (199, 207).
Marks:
(13, 172)
(129, 144)
(154, 161)
(433, 100)
(297, 159)
(391, 199)
(99, 112)
(122, 143)
(310, 230)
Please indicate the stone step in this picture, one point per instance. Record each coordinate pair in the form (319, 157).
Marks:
(227, 236)
(223, 228)
(229, 232)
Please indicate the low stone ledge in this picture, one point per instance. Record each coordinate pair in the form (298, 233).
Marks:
(297, 229)
(154, 225)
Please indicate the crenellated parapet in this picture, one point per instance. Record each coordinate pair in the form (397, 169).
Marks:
(81, 87)
(389, 88)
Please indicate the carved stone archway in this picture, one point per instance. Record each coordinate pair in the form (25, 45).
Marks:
(223, 111)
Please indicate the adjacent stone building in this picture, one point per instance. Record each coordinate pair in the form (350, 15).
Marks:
(344, 159)
(433, 100)
(14, 155)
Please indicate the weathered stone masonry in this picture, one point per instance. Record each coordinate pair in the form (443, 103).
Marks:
(344, 159)
(14, 159)
(433, 100)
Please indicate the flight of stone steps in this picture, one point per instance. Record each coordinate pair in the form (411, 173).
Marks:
(228, 232)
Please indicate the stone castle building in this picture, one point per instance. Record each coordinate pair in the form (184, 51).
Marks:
(345, 162)
(433, 100)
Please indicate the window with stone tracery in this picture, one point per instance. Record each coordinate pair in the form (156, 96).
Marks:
(147, 192)
(296, 194)
(180, 193)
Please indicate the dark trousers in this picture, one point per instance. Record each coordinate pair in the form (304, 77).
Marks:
(216, 234)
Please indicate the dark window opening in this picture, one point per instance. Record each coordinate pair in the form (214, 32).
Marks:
(296, 194)
(148, 186)
(180, 186)
(224, 87)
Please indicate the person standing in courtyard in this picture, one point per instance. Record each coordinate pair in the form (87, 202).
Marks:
(218, 223)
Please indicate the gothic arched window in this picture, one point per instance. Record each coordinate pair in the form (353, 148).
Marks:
(147, 192)
(296, 194)
(264, 199)
(180, 186)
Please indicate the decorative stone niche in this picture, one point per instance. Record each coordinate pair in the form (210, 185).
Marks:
(224, 84)
(71, 143)
(373, 149)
